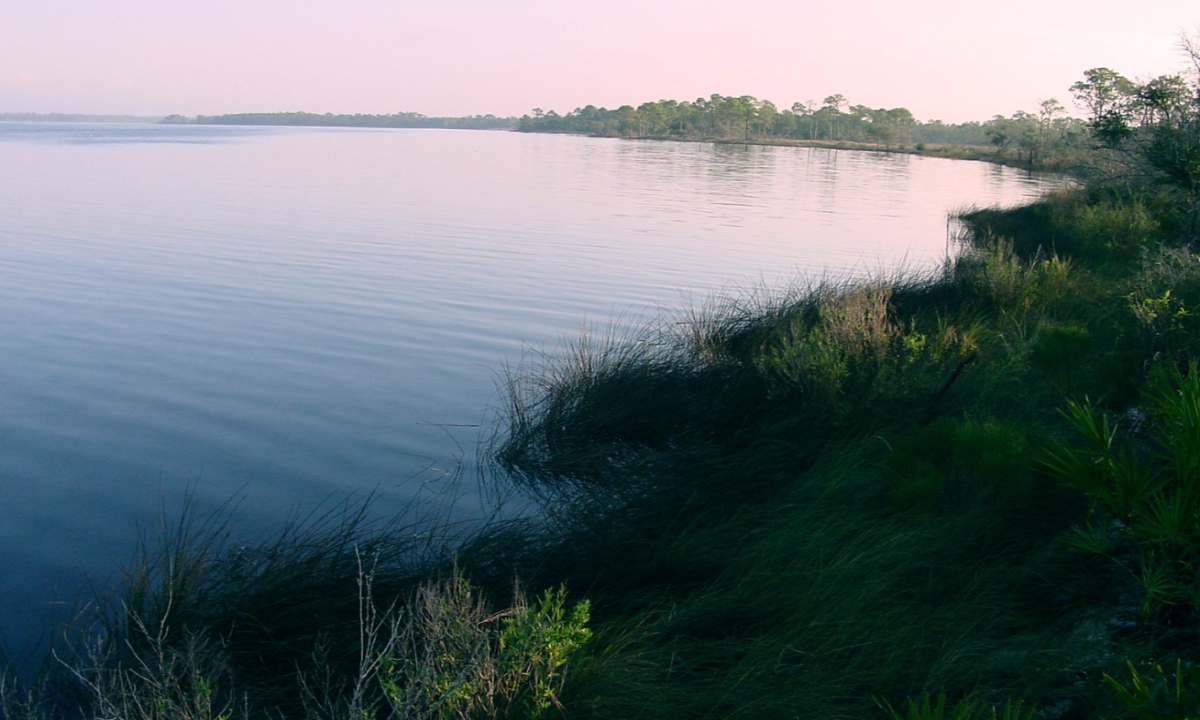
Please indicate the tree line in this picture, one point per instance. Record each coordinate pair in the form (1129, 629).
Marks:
(1030, 135)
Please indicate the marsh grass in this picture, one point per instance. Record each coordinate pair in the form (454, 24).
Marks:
(788, 507)
(338, 615)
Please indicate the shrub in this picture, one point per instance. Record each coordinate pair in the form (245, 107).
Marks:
(458, 660)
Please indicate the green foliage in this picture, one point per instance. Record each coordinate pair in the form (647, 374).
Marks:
(459, 661)
(956, 461)
(1107, 228)
(535, 644)
(356, 614)
(1121, 229)
(1147, 135)
(1060, 348)
(1021, 283)
(1156, 694)
(158, 680)
(1041, 138)
(926, 708)
(1151, 500)
(1160, 300)
(844, 354)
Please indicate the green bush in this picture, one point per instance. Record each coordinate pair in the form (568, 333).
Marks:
(457, 660)
(1121, 230)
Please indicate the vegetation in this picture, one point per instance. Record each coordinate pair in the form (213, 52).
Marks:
(333, 618)
(1043, 138)
(965, 495)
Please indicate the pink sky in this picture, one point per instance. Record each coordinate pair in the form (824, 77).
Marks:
(956, 61)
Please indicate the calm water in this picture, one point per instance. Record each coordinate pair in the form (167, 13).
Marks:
(287, 316)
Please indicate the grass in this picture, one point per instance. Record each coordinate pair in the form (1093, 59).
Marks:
(337, 616)
(798, 508)
(845, 501)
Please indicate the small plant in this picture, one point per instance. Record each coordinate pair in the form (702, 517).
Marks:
(1148, 499)
(1122, 230)
(926, 708)
(1155, 694)
(1164, 318)
(457, 661)
(535, 643)
(846, 353)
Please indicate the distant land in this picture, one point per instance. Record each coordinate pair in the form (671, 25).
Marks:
(77, 117)
(396, 120)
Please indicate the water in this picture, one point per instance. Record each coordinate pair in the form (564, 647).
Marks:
(292, 315)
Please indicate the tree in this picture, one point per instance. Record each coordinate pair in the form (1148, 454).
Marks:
(1163, 99)
(833, 109)
(767, 115)
(1001, 132)
(1102, 91)
(1147, 135)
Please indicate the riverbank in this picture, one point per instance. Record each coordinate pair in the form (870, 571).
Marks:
(822, 504)
(978, 153)
(1063, 162)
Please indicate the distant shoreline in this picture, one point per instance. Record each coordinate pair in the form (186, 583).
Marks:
(489, 122)
(307, 119)
(79, 117)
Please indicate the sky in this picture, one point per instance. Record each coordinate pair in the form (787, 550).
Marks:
(954, 61)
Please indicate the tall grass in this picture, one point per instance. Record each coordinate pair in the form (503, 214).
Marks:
(796, 507)
(336, 616)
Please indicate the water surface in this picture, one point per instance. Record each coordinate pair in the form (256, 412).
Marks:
(290, 315)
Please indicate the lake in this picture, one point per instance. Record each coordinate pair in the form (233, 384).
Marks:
(290, 317)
